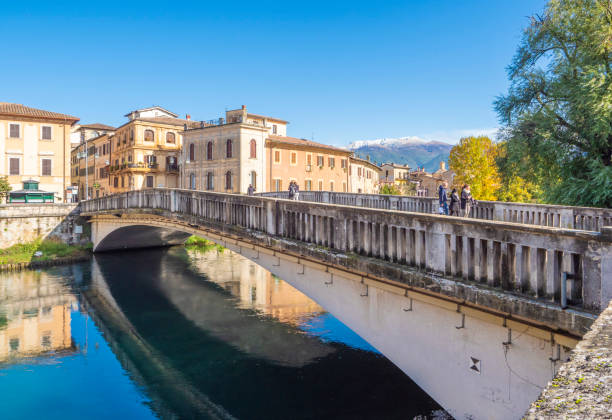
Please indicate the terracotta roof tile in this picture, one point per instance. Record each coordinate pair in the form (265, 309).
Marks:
(304, 143)
(7, 108)
(98, 126)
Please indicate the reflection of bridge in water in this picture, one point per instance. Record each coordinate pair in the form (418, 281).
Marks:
(480, 298)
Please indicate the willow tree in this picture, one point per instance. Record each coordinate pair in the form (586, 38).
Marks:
(558, 110)
(473, 162)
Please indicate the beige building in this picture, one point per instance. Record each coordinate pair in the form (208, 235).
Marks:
(35, 144)
(243, 149)
(363, 176)
(392, 173)
(82, 132)
(92, 177)
(427, 184)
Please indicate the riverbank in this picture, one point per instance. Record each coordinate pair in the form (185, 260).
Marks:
(42, 253)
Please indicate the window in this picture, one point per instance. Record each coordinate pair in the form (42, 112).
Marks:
(228, 148)
(116, 182)
(320, 185)
(131, 135)
(170, 138)
(308, 185)
(331, 162)
(149, 135)
(331, 185)
(254, 179)
(14, 131)
(209, 150)
(123, 182)
(274, 129)
(343, 186)
(192, 152)
(253, 147)
(210, 181)
(294, 158)
(308, 159)
(228, 180)
(277, 156)
(192, 181)
(278, 185)
(350, 170)
(359, 171)
(45, 133)
(320, 161)
(14, 166)
(150, 181)
(45, 167)
(343, 163)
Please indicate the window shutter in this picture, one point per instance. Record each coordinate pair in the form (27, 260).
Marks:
(14, 166)
(46, 167)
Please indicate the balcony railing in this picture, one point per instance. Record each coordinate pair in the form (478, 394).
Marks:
(172, 167)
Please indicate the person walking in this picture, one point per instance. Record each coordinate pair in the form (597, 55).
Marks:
(250, 190)
(291, 190)
(443, 199)
(296, 191)
(466, 200)
(455, 203)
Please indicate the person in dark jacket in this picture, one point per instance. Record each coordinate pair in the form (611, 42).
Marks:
(250, 190)
(455, 203)
(442, 198)
(466, 200)
(291, 190)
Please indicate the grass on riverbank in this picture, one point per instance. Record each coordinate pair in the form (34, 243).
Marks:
(51, 250)
(201, 244)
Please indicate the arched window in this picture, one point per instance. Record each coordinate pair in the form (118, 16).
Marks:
(253, 145)
(228, 148)
(228, 180)
(210, 185)
(149, 135)
(209, 150)
(192, 181)
(254, 179)
(192, 152)
(170, 138)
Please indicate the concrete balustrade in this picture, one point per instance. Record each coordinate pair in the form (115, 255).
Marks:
(583, 218)
(524, 259)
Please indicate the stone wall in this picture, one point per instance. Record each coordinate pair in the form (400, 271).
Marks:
(21, 223)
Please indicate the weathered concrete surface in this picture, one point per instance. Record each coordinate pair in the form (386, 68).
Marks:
(20, 223)
(583, 387)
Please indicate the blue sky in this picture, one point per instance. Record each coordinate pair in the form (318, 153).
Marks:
(339, 71)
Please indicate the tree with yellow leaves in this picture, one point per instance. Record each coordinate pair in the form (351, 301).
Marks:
(473, 161)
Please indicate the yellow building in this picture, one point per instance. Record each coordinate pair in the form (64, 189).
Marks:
(92, 178)
(145, 150)
(35, 144)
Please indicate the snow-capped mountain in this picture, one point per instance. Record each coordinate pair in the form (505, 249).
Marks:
(412, 151)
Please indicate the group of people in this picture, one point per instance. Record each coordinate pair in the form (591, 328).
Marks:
(460, 205)
(294, 191)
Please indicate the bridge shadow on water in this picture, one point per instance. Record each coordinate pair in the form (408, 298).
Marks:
(245, 364)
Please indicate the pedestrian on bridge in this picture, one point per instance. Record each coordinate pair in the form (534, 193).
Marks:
(466, 200)
(250, 190)
(443, 199)
(455, 203)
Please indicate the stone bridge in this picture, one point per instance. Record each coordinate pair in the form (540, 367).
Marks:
(495, 305)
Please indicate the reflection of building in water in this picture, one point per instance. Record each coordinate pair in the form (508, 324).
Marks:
(256, 287)
(34, 314)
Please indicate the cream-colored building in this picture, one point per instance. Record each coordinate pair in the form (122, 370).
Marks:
(363, 176)
(243, 149)
(35, 144)
(92, 177)
(82, 132)
(392, 173)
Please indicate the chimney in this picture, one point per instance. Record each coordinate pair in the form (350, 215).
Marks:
(442, 165)
(188, 117)
(243, 106)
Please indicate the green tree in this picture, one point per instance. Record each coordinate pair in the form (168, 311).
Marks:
(558, 110)
(389, 189)
(5, 188)
(473, 161)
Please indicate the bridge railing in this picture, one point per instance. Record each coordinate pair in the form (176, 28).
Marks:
(571, 217)
(527, 260)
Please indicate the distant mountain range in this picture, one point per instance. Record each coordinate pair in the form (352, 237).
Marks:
(412, 151)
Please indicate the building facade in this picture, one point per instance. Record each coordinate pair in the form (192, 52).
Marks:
(363, 176)
(243, 149)
(35, 145)
(90, 163)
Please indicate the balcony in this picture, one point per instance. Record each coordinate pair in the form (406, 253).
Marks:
(172, 167)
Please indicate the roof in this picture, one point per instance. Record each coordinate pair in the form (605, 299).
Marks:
(304, 143)
(7, 108)
(150, 108)
(365, 161)
(267, 118)
(169, 121)
(98, 126)
(395, 165)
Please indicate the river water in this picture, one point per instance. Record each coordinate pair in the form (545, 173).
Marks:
(185, 333)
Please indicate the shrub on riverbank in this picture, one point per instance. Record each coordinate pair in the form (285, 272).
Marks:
(201, 244)
(51, 250)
